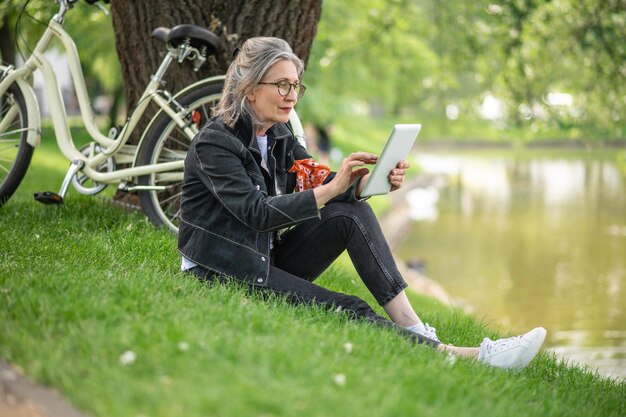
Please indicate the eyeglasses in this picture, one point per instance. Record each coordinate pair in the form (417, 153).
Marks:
(284, 88)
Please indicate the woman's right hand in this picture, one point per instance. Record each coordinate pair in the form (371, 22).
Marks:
(350, 170)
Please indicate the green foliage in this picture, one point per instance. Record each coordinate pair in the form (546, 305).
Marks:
(562, 46)
(366, 53)
(91, 30)
(403, 57)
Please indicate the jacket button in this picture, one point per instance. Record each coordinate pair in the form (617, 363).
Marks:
(259, 280)
(263, 258)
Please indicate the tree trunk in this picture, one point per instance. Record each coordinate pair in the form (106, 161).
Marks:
(7, 44)
(233, 21)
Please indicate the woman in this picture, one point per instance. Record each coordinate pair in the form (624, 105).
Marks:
(241, 217)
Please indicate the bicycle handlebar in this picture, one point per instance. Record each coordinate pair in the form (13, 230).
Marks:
(66, 5)
(92, 2)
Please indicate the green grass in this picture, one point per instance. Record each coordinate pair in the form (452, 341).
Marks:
(82, 284)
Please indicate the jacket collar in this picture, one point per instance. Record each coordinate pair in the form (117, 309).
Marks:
(244, 131)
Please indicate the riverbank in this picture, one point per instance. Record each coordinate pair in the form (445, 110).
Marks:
(351, 133)
(563, 143)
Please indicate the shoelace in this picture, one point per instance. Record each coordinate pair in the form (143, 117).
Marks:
(489, 346)
(430, 332)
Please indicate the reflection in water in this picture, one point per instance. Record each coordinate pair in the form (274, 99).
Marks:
(533, 238)
(422, 203)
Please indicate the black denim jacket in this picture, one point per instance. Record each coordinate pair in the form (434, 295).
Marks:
(231, 206)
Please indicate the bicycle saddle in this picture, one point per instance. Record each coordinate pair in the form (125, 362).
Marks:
(199, 36)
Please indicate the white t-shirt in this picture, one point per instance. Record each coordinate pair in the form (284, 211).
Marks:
(262, 141)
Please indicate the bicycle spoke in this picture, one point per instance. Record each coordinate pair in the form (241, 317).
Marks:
(9, 117)
(176, 215)
(177, 195)
(81, 180)
(5, 105)
(14, 132)
(9, 148)
(171, 155)
(172, 206)
(5, 169)
(205, 113)
(185, 145)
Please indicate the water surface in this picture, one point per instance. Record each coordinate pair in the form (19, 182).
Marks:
(527, 238)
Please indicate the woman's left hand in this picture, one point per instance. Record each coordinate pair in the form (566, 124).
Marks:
(398, 174)
(396, 177)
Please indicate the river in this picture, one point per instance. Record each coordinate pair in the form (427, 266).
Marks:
(522, 238)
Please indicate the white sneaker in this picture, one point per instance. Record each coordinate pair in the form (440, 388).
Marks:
(424, 330)
(514, 352)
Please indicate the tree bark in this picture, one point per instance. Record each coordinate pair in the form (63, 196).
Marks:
(233, 21)
(7, 44)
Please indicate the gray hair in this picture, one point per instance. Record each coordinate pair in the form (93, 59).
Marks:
(252, 62)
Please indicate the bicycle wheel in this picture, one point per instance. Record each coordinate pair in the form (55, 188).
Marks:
(15, 152)
(166, 142)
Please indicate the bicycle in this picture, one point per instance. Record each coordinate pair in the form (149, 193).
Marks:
(156, 163)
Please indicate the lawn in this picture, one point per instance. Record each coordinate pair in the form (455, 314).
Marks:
(94, 305)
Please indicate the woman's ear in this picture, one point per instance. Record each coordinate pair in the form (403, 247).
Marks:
(251, 96)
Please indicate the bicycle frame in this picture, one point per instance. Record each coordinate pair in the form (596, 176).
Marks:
(111, 147)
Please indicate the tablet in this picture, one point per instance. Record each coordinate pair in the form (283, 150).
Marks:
(396, 149)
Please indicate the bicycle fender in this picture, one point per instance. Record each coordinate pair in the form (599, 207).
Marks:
(209, 80)
(33, 137)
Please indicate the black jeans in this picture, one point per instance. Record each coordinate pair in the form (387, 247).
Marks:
(306, 250)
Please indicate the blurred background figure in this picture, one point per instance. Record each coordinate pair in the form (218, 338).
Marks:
(318, 142)
(323, 143)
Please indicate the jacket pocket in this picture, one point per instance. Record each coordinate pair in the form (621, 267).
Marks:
(258, 181)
